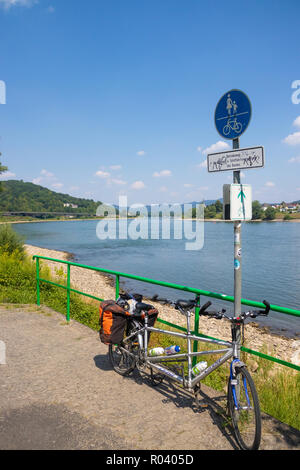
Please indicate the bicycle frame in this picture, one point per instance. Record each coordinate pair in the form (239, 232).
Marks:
(231, 350)
(241, 396)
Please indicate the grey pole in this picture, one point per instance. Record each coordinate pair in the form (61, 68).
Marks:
(237, 253)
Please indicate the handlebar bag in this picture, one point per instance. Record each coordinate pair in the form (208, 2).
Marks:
(112, 322)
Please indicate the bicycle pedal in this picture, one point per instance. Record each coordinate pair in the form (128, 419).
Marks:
(202, 406)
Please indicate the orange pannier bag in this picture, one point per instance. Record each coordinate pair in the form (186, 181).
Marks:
(112, 322)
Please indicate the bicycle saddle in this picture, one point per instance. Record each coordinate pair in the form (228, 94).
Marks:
(185, 304)
(139, 306)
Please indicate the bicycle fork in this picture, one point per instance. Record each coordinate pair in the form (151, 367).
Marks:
(235, 386)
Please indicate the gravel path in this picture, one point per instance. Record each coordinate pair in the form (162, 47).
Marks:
(58, 392)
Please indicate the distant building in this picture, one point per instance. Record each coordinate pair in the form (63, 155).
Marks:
(292, 207)
(73, 206)
(265, 206)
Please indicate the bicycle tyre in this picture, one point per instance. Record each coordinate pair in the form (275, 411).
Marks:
(246, 417)
(226, 132)
(238, 128)
(122, 362)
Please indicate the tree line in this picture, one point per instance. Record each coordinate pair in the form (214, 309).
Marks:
(17, 196)
(215, 210)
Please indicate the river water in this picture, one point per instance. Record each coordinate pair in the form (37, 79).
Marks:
(270, 260)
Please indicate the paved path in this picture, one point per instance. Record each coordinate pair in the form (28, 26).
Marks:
(57, 391)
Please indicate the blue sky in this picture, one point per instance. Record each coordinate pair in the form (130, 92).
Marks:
(109, 97)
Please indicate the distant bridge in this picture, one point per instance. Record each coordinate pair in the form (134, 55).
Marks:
(40, 213)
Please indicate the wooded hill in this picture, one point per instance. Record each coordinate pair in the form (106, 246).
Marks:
(18, 196)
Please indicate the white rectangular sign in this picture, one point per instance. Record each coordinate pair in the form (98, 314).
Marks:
(237, 201)
(241, 159)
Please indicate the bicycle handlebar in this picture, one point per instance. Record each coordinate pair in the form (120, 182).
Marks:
(188, 304)
(242, 317)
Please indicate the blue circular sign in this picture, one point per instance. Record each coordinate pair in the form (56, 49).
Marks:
(233, 114)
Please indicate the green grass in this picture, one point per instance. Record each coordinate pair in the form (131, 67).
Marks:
(278, 387)
(18, 286)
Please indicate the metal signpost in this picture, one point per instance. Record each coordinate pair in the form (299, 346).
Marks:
(232, 117)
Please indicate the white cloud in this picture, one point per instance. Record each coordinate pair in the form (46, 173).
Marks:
(199, 149)
(7, 4)
(102, 174)
(118, 181)
(47, 173)
(294, 160)
(51, 9)
(37, 180)
(217, 147)
(138, 185)
(202, 164)
(296, 123)
(160, 174)
(7, 175)
(141, 153)
(292, 139)
(188, 185)
(270, 184)
(47, 178)
(163, 189)
(115, 167)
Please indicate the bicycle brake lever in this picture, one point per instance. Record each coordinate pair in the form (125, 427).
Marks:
(268, 307)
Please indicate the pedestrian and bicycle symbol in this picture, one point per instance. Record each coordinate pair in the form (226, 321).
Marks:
(233, 114)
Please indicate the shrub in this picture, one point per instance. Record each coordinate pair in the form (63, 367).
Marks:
(270, 213)
(11, 242)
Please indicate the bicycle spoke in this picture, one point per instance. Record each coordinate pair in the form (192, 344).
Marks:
(121, 360)
(244, 410)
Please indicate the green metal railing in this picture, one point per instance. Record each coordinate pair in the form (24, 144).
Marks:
(118, 275)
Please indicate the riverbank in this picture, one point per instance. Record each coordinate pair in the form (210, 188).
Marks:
(100, 285)
(131, 218)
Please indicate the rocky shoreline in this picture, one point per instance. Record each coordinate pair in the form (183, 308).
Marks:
(102, 285)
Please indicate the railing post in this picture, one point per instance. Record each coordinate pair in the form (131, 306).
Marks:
(38, 281)
(117, 286)
(196, 331)
(68, 291)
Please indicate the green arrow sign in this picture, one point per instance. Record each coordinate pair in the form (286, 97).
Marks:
(242, 195)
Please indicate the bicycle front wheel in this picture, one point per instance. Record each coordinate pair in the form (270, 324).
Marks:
(244, 410)
(226, 129)
(120, 358)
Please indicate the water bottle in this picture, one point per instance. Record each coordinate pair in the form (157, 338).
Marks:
(156, 352)
(199, 367)
(172, 350)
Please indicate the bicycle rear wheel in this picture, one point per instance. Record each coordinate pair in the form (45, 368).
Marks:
(244, 410)
(120, 358)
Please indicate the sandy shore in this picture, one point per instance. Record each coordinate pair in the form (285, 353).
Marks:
(102, 286)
